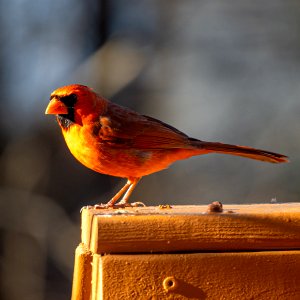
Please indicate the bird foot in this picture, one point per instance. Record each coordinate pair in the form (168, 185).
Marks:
(114, 206)
(134, 204)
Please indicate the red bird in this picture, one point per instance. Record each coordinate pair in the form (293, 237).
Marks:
(114, 140)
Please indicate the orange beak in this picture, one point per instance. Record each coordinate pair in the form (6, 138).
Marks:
(56, 107)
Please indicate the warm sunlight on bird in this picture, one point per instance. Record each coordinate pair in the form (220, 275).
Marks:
(114, 140)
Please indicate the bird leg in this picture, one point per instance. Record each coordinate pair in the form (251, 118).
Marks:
(127, 190)
(124, 200)
(119, 194)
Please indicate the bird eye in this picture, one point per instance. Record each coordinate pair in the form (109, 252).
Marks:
(69, 100)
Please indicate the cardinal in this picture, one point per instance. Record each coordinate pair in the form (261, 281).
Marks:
(117, 141)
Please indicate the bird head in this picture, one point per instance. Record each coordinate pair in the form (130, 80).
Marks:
(73, 104)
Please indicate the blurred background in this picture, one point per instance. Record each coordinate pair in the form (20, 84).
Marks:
(223, 71)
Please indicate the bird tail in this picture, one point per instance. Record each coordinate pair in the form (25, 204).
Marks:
(243, 151)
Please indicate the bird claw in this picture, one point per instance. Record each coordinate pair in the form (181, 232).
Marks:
(114, 206)
(123, 204)
(136, 204)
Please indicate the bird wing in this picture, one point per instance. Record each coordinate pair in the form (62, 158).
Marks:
(122, 127)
